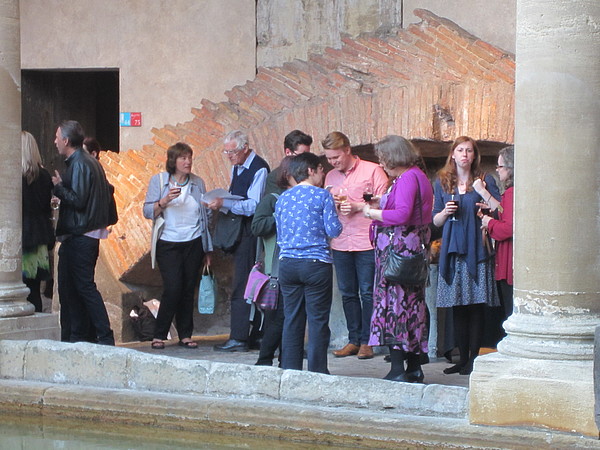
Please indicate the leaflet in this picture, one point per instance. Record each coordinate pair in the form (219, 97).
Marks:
(210, 196)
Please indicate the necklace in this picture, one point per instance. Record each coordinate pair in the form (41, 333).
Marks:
(187, 180)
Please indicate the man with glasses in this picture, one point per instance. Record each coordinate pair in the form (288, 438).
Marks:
(295, 143)
(248, 175)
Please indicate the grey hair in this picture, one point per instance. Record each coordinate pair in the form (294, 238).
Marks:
(508, 155)
(237, 136)
(395, 151)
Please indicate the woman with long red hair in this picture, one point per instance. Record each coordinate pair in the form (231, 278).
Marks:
(466, 268)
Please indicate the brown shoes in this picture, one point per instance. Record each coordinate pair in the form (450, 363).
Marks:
(365, 352)
(348, 350)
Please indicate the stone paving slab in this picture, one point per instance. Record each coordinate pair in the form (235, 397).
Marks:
(349, 366)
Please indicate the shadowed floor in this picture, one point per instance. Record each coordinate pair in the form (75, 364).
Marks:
(349, 366)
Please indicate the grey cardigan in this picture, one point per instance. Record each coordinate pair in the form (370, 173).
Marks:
(197, 190)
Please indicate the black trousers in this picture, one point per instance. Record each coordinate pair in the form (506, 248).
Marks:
(80, 300)
(179, 264)
(243, 259)
(272, 333)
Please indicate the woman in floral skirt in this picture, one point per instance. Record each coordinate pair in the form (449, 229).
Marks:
(399, 312)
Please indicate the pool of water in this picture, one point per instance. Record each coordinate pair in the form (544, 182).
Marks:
(33, 433)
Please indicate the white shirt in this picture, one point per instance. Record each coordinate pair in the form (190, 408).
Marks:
(182, 218)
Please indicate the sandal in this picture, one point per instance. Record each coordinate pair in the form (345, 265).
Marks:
(188, 344)
(158, 345)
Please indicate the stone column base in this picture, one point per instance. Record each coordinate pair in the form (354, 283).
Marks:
(37, 326)
(513, 391)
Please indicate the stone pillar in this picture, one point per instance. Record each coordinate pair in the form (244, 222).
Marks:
(13, 292)
(543, 372)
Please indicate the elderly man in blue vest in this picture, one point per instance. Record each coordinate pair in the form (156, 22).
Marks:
(248, 176)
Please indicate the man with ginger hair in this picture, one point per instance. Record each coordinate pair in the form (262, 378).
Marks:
(353, 254)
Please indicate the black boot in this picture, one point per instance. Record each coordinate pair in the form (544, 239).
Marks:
(397, 371)
(414, 373)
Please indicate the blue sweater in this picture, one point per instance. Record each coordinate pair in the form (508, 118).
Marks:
(306, 218)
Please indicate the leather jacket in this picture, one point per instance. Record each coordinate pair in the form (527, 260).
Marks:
(85, 196)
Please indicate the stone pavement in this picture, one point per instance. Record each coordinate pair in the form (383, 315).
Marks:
(349, 366)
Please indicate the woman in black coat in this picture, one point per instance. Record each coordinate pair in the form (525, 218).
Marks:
(38, 233)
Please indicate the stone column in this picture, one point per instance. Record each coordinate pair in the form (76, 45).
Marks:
(542, 374)
(13, 292)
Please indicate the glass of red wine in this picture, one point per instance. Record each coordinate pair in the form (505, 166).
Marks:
(454, 200)
(486, 210)
(368, 193)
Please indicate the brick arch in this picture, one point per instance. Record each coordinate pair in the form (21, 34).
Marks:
(432, 80)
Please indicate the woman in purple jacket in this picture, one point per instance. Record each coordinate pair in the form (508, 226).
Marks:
(399, 312)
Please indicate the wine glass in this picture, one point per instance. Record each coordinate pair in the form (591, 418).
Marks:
(454, 199)
(342, 194)
(368, 193)
(54, 204)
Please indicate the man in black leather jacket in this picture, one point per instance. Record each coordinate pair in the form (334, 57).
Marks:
(85, 213)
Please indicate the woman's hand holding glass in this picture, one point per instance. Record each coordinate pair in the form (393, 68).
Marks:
(485, 220)
(452, 207)
(173, 193)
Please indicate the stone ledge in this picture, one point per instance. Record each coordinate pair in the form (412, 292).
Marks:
(36, 326)
(266, 418)
(95, 366)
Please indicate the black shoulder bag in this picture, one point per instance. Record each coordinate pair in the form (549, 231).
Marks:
(407, 270)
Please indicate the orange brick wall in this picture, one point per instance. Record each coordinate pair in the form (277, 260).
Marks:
(373, 86)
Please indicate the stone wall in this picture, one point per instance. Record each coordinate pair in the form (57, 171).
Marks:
(170, 54)
(288, 30)
(373, 86)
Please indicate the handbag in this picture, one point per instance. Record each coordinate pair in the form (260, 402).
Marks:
(262, 290)
(228, 231)
(143, 322)
(206, 292)
(157, 226)
(407, 270)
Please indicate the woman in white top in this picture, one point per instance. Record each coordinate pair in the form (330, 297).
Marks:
(183, 244)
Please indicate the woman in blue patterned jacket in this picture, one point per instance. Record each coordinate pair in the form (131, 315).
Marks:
(306, 219)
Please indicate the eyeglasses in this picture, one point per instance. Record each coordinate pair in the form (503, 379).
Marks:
(231, 152)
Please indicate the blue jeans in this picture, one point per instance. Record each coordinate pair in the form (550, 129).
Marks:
(356, 274)
(77, 291)
(306, 285)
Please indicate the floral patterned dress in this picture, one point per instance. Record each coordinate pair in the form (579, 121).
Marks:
(399, 312)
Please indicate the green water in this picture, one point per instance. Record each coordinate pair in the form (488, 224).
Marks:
(41, 433)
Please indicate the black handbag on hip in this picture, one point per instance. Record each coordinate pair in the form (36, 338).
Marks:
(407, 270)
(228, 231)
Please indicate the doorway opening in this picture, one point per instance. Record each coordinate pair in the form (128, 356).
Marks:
(89, 96)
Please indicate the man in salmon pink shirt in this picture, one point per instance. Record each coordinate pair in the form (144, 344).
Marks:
(353, 255)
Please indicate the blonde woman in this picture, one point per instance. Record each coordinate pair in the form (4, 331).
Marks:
(38, 233)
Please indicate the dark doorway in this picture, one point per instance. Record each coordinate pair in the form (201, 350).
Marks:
(90, 97)
(434, 154)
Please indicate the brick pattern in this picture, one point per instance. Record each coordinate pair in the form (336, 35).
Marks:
(373, 86)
